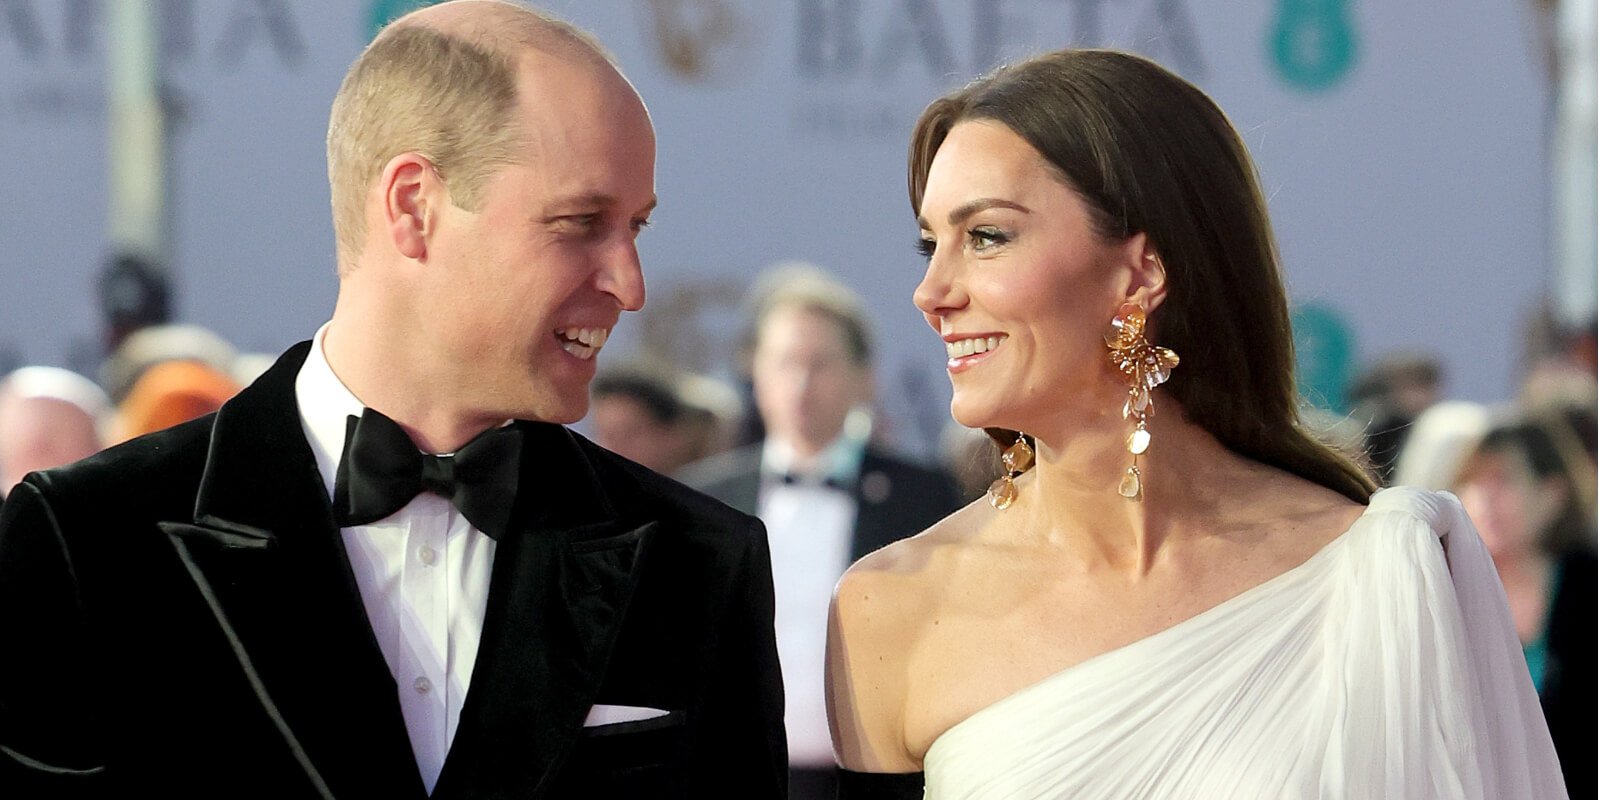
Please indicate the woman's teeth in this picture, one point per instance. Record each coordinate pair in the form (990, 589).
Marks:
(966, 347)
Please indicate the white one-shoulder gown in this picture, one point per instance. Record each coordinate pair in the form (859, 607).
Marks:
(1385, 666)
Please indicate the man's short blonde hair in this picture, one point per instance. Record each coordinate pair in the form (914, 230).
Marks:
(811, 289)
(447, 96)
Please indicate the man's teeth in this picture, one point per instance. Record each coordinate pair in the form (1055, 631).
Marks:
(967, 347)
(583, 342)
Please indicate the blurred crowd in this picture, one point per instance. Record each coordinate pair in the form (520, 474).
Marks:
(786, 431)
(157, 377)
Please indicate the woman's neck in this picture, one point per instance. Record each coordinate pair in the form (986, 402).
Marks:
(1073, 499)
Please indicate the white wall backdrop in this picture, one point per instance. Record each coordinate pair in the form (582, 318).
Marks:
(1402, 146)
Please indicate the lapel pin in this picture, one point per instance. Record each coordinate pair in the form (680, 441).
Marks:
(875, 487)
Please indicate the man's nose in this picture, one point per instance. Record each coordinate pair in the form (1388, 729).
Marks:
(622, 277)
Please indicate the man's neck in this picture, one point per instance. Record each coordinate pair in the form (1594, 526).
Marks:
(433, 423)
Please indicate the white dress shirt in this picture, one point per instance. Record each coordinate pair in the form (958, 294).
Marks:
(809, 527)
(423, 573)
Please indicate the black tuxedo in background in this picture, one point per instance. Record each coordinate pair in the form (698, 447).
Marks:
(1569, 678)
(178, 618)
(894, 498)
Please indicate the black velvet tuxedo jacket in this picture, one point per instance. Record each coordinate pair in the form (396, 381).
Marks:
(178, 619)
(894, 497)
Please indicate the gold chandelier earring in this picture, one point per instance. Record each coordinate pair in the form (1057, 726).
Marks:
(1015, 460)
(1146, 367)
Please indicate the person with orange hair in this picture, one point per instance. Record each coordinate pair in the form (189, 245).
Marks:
(169, 394)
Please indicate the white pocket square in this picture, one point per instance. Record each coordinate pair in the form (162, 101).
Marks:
(611, 715)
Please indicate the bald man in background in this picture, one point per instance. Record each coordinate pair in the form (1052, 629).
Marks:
(386, 569)
(49, 417)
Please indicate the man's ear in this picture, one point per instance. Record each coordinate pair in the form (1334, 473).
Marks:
(1147, 284)
(411, 193)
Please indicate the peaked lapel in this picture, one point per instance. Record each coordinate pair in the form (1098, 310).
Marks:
(743, 488)
(563, 577)
(733, 477)
(880, 516)
(874, 512)
(266, 556)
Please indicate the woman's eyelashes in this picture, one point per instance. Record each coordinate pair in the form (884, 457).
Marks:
(983, 238)
(987, 237)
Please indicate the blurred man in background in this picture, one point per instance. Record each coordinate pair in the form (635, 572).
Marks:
(826, 494)
(660, 419)
(1389, 396)
(49, 417)
(638, 415)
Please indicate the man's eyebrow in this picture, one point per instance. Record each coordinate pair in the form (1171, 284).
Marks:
(595, 200)
(971, 207)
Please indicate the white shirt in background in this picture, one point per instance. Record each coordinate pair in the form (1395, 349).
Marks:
(809, 527)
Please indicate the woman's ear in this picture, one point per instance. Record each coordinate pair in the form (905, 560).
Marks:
(1147, 284)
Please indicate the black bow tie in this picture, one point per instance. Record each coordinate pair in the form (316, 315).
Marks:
(800, 479)
(382, 471)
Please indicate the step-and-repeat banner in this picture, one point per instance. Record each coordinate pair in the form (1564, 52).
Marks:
(1401, 145)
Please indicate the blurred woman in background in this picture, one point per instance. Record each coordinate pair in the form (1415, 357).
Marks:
(1524, 487)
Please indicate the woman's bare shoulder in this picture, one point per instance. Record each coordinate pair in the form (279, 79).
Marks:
(879, 608)
(1288, 518)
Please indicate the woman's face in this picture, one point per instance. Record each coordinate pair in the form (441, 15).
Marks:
(1507, 503)
(1019, 285)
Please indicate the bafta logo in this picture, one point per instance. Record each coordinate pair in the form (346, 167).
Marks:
(700, 40)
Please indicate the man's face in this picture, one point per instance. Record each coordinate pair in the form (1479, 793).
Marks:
(805, 379)
(625, 426)
(520, 294)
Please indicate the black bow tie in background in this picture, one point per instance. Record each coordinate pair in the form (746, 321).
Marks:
(798, 479)
(382, 471)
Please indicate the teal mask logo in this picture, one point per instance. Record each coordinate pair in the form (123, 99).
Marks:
(383, 12)
(1324, 354)
(1312, 42)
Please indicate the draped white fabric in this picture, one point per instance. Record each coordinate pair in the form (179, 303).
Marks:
(1385, 666)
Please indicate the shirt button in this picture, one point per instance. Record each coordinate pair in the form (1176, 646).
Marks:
(428, 555)
(423, 686)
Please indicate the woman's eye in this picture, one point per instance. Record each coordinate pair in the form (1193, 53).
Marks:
(926, 246)
(986, 237)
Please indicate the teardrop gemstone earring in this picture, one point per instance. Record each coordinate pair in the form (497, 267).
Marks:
(1015, 460)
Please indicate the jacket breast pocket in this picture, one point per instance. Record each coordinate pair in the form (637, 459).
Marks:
(640, 758)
